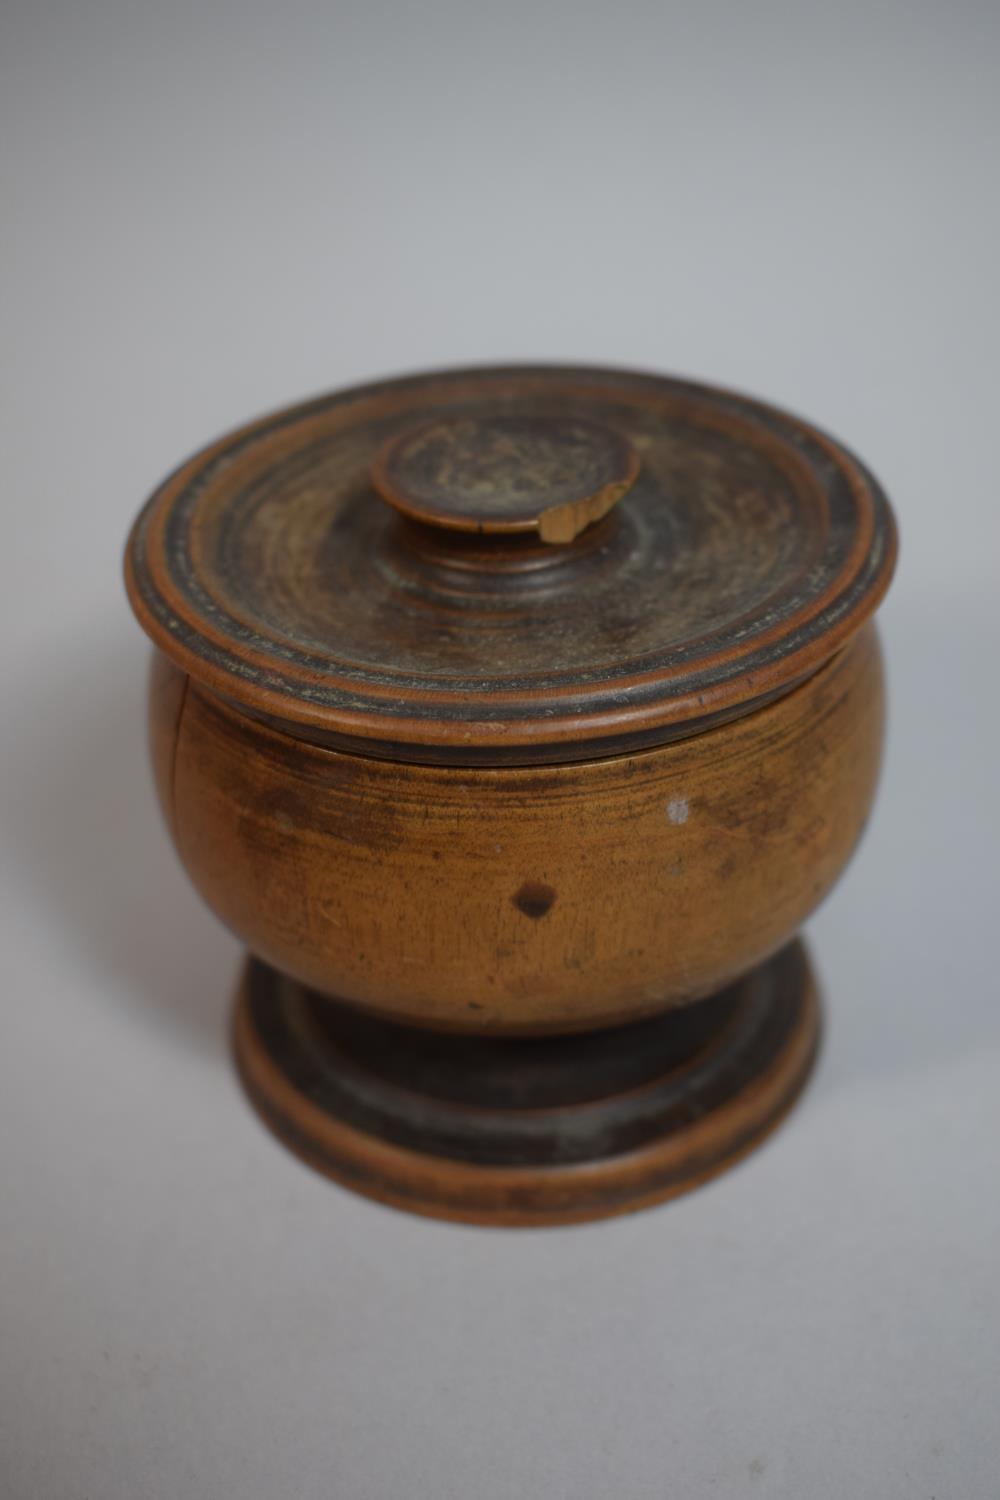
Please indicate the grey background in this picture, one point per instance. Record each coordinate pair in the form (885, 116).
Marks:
(210, 209)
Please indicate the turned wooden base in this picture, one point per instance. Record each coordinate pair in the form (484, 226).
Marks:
(551, 1131)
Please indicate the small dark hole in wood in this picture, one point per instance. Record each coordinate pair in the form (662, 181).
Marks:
(534, 898)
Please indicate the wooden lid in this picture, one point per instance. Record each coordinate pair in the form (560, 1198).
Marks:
(511, 565)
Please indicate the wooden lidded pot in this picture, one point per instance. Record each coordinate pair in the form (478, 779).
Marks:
(516, 719)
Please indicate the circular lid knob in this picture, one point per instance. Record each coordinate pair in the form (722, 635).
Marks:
(505, 473)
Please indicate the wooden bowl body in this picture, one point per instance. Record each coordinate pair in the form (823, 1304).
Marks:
(523, 900)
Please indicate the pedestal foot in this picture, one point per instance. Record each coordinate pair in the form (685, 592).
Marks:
(550, 1131)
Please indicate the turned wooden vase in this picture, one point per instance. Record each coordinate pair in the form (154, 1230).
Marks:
(516, 719)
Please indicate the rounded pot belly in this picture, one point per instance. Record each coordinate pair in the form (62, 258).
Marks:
(547, 898)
